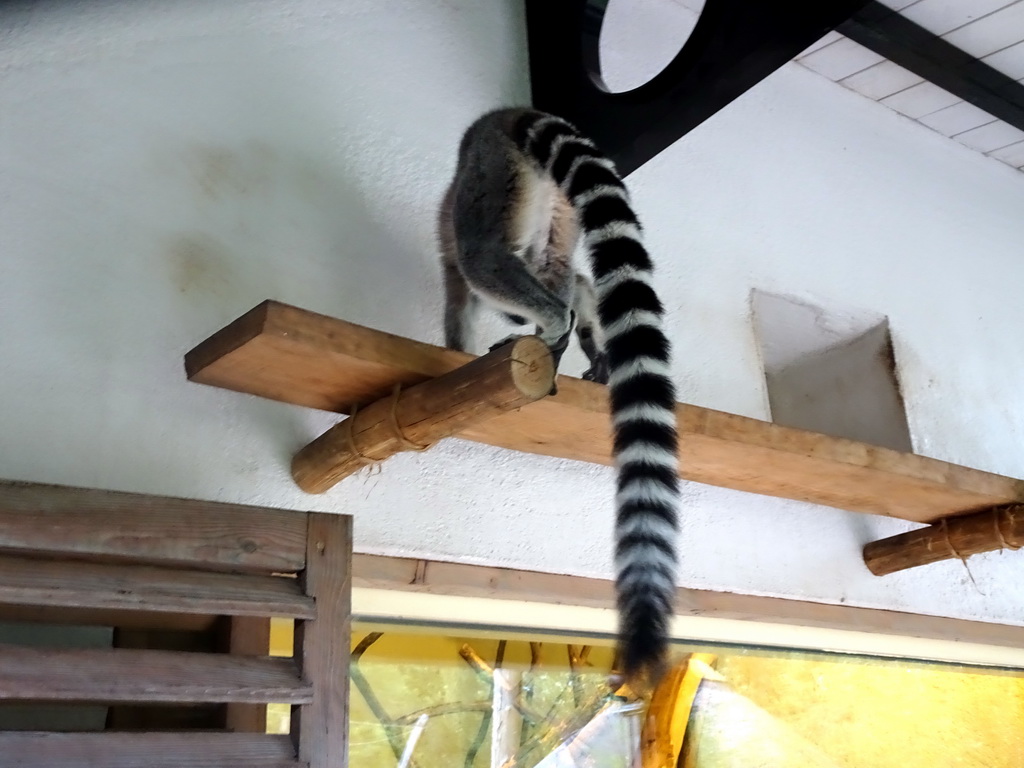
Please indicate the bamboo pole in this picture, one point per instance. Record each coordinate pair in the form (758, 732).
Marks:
(955, 537)
(517, 373)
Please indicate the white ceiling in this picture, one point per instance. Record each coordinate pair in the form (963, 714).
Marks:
(991, 30)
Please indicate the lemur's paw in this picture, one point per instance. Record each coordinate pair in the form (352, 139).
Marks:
(506, 340)
(598, 370)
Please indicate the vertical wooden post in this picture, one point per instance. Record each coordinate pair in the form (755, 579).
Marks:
(320, 729)
(247, 636)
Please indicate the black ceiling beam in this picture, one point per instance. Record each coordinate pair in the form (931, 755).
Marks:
(926, 55)
(735, 45)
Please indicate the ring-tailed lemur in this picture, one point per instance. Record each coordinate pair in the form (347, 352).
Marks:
(526, 184)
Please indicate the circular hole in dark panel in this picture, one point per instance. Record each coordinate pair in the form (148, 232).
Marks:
(627, 43)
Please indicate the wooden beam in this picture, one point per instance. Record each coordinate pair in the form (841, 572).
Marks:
(32, 581)
(288, 354)
(441, 578)
(146, 677)
(96, 524)
(518, 373)
(320, 728)
(733, 46)
(33, 749)
(958, 537)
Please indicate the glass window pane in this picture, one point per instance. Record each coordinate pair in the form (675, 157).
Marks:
(432, 697)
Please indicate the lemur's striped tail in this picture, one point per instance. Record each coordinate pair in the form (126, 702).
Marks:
(642, 393)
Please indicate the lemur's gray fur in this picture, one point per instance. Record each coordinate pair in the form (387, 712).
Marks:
(527, 187)
(524, 231)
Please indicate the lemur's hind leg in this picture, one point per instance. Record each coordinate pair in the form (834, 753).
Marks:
(461, 305)
(589, 332)
(460, 310)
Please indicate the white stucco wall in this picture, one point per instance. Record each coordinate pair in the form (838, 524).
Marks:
(166, 166)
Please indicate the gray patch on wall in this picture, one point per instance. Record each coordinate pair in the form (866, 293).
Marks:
(831, 370)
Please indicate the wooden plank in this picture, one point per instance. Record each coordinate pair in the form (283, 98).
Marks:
(131, 716)
(32, 749)
(155, 529)
(320, 728)
(150, 677)
(441, 578)
(32, 581)
(247, 636)
(99, 617)
(288, 354)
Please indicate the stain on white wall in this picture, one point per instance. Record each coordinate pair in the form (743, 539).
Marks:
(166, 166)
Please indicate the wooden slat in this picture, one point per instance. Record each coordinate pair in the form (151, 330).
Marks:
(102, 617)
(32, 581)
(131, 716)
(115, 675)
(441, 578)
(320, 729)
(288, 354)
(156, 529)
(32, 749)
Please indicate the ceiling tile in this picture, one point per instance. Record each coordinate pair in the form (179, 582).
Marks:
(942, 16)
(1009, 61)
(828, 39)
(840, 59)
(992, 30)
(920, 100)
(957, 118)
(990, 137)
(898, 4)
(881, 80)
(991, 33)
(1013, 154)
